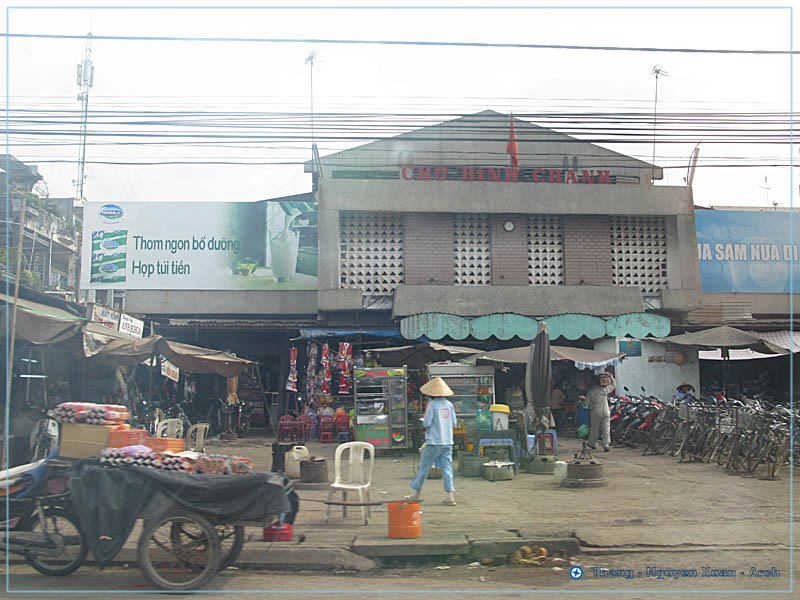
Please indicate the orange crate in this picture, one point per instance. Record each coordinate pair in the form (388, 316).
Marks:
(119, 438)
(165, 444)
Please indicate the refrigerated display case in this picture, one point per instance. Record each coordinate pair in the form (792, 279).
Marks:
(381, 407)
(473, 389)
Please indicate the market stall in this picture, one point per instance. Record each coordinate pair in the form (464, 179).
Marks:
(381, 407)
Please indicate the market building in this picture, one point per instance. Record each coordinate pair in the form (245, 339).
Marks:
(470, 232)
(477, 228)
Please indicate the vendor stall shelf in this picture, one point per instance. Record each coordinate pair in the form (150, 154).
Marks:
(381, 405)
(473, 389)
(252, 393)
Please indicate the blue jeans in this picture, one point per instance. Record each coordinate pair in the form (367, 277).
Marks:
(435, 456)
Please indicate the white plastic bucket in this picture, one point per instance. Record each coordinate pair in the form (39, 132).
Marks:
(499, 414)
(293, 458)
(559, 472)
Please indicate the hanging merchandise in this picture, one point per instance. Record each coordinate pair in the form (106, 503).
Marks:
(311, 372)
(326, 381)
(291, 381)
(325, 359)
(345, 362)
(341, 356)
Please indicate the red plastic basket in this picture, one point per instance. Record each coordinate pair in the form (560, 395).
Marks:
(279, 532)
(119, 438)
(165, 444)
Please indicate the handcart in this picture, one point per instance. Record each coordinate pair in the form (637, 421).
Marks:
(193, 524)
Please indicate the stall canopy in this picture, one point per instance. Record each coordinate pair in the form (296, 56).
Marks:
(789, 340)
(725, 338)
(193, 359)
(38, 323)
(419, 355)
(583, 358)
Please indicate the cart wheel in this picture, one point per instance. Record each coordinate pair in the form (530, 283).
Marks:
(231, 541)
(69, 545)
(179, 551)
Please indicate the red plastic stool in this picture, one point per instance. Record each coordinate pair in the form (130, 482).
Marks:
(546, 443)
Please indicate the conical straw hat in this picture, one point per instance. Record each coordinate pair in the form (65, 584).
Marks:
(436, 388)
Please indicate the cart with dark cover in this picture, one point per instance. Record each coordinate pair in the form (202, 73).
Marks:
(193, 523)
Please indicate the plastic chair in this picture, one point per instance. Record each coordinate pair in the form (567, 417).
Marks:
(171, 428)
(326, 429)
(307, 424)
(357, 478)
(546, 443)
(196, 437)
(289, 428)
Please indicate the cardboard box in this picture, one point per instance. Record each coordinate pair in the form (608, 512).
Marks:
(79, 440)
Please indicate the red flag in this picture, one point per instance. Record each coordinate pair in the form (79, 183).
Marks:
(512, 147)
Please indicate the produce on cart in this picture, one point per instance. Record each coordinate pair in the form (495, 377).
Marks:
(184, 514)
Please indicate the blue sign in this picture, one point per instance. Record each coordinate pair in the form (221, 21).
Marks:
(748, 251)
(630, 347)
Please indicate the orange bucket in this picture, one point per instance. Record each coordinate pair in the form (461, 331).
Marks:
(405, 520)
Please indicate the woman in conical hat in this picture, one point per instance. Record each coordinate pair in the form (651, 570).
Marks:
(436, 388)
(439, 421)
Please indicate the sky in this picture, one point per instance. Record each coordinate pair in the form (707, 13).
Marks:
(237, 101)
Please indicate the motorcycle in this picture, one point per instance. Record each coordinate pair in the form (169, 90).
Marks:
(42, 526)
(44, 435)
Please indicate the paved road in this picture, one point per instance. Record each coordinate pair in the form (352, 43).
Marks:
(496, 582)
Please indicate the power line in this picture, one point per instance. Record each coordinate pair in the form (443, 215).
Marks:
(142, 38)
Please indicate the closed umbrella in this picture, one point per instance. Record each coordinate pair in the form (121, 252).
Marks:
(539, 379)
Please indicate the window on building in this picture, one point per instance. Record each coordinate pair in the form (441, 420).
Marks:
(639, 252)
(472, 247)
(371, 252)
(545, 250)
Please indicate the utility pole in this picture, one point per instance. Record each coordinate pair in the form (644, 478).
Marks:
(657, 70)
(85, 81)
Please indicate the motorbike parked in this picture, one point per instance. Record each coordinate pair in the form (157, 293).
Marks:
(42, 526)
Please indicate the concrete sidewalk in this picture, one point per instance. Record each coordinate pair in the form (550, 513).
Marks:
(650, 502)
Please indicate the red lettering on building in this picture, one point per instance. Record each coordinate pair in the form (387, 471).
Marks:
(506, 174)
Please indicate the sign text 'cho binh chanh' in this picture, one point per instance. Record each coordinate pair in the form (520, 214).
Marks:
(505, 174)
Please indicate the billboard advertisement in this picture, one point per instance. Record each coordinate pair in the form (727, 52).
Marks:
(267, 245)
(748, 251)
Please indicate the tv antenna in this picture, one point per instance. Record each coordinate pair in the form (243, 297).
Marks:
(766, 189)
(310, 61)
(657, 71)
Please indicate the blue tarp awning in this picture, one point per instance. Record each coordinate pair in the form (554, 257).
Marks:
(307, 333)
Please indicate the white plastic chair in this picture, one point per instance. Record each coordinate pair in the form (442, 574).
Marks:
(171, 428)
(357, 477)
(196, 437)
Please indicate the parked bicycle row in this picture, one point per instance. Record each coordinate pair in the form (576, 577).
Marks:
(744, 436)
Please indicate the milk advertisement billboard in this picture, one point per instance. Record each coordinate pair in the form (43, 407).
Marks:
(267, 245)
